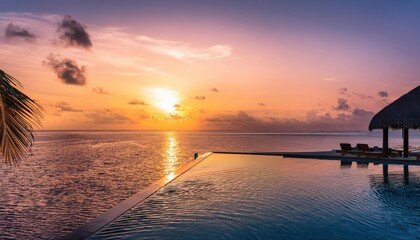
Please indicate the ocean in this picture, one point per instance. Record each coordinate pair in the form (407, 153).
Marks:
(73, 176)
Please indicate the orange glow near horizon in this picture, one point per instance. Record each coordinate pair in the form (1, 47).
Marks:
(235, 77)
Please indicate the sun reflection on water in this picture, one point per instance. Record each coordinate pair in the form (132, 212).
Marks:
(171, 155)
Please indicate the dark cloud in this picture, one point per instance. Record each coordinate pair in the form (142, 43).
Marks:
(14, 31)
(100, 90)
(177, 106)
(342, 105)
(363, 96)
(74, 34)
(137, 102)
(245, 122)
(383, 94)
(67, 70)
(343, 91)
(362, 113)
(200, 97)
(214, 90)
(108, 116)
(261, 104)
(65, 107)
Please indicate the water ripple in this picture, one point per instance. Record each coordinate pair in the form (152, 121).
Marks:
(72, 177)
(230, 197)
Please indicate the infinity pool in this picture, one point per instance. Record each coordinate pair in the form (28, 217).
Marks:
(268, 197)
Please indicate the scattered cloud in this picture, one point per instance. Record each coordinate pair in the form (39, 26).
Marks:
(113, 116)
(66, 69)
(73, 33)
(344, 91)
(176, 116)
(342, 105)
(383, 101)
(65, 107)
(14, 31)
(100, 90)
(214, 90)
(246, 122)
(383, 94)
(363, 96)
(329, 79)
(177, 106)
(137, 102)
(183, 51)
(261, 104)
(200, 97)
(231, 118)
(154, 117)
(108, 116)
(362, 112)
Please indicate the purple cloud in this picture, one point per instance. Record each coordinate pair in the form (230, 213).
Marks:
(15, 31)
(73, 33)
(342, 105)
(67, 70)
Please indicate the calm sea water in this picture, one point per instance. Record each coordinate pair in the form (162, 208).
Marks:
(72, 177)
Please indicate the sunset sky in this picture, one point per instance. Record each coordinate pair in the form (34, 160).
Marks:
(252, 66)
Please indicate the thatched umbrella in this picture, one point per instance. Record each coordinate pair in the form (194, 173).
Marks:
(403, 113)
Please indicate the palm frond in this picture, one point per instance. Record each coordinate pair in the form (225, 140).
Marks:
(18, 115)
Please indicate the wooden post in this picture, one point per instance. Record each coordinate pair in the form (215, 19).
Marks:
(385, 172)
(406, 174)
(385, 142)
(405, 135)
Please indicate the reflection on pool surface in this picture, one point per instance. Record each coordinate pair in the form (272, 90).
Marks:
(269, 197)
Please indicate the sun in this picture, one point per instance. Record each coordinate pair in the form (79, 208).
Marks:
(165, 99)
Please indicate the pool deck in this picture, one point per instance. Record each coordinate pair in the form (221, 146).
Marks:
(333, 155)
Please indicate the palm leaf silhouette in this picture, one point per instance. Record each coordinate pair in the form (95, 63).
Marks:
(18, 114)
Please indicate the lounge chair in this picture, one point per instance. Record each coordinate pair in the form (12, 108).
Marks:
(363, 147)
(347, 148)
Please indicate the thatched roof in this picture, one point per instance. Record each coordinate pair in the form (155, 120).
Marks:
(403, 112)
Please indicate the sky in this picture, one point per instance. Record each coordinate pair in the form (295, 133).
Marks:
(248, 66)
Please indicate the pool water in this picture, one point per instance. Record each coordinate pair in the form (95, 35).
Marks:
(269, 197)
